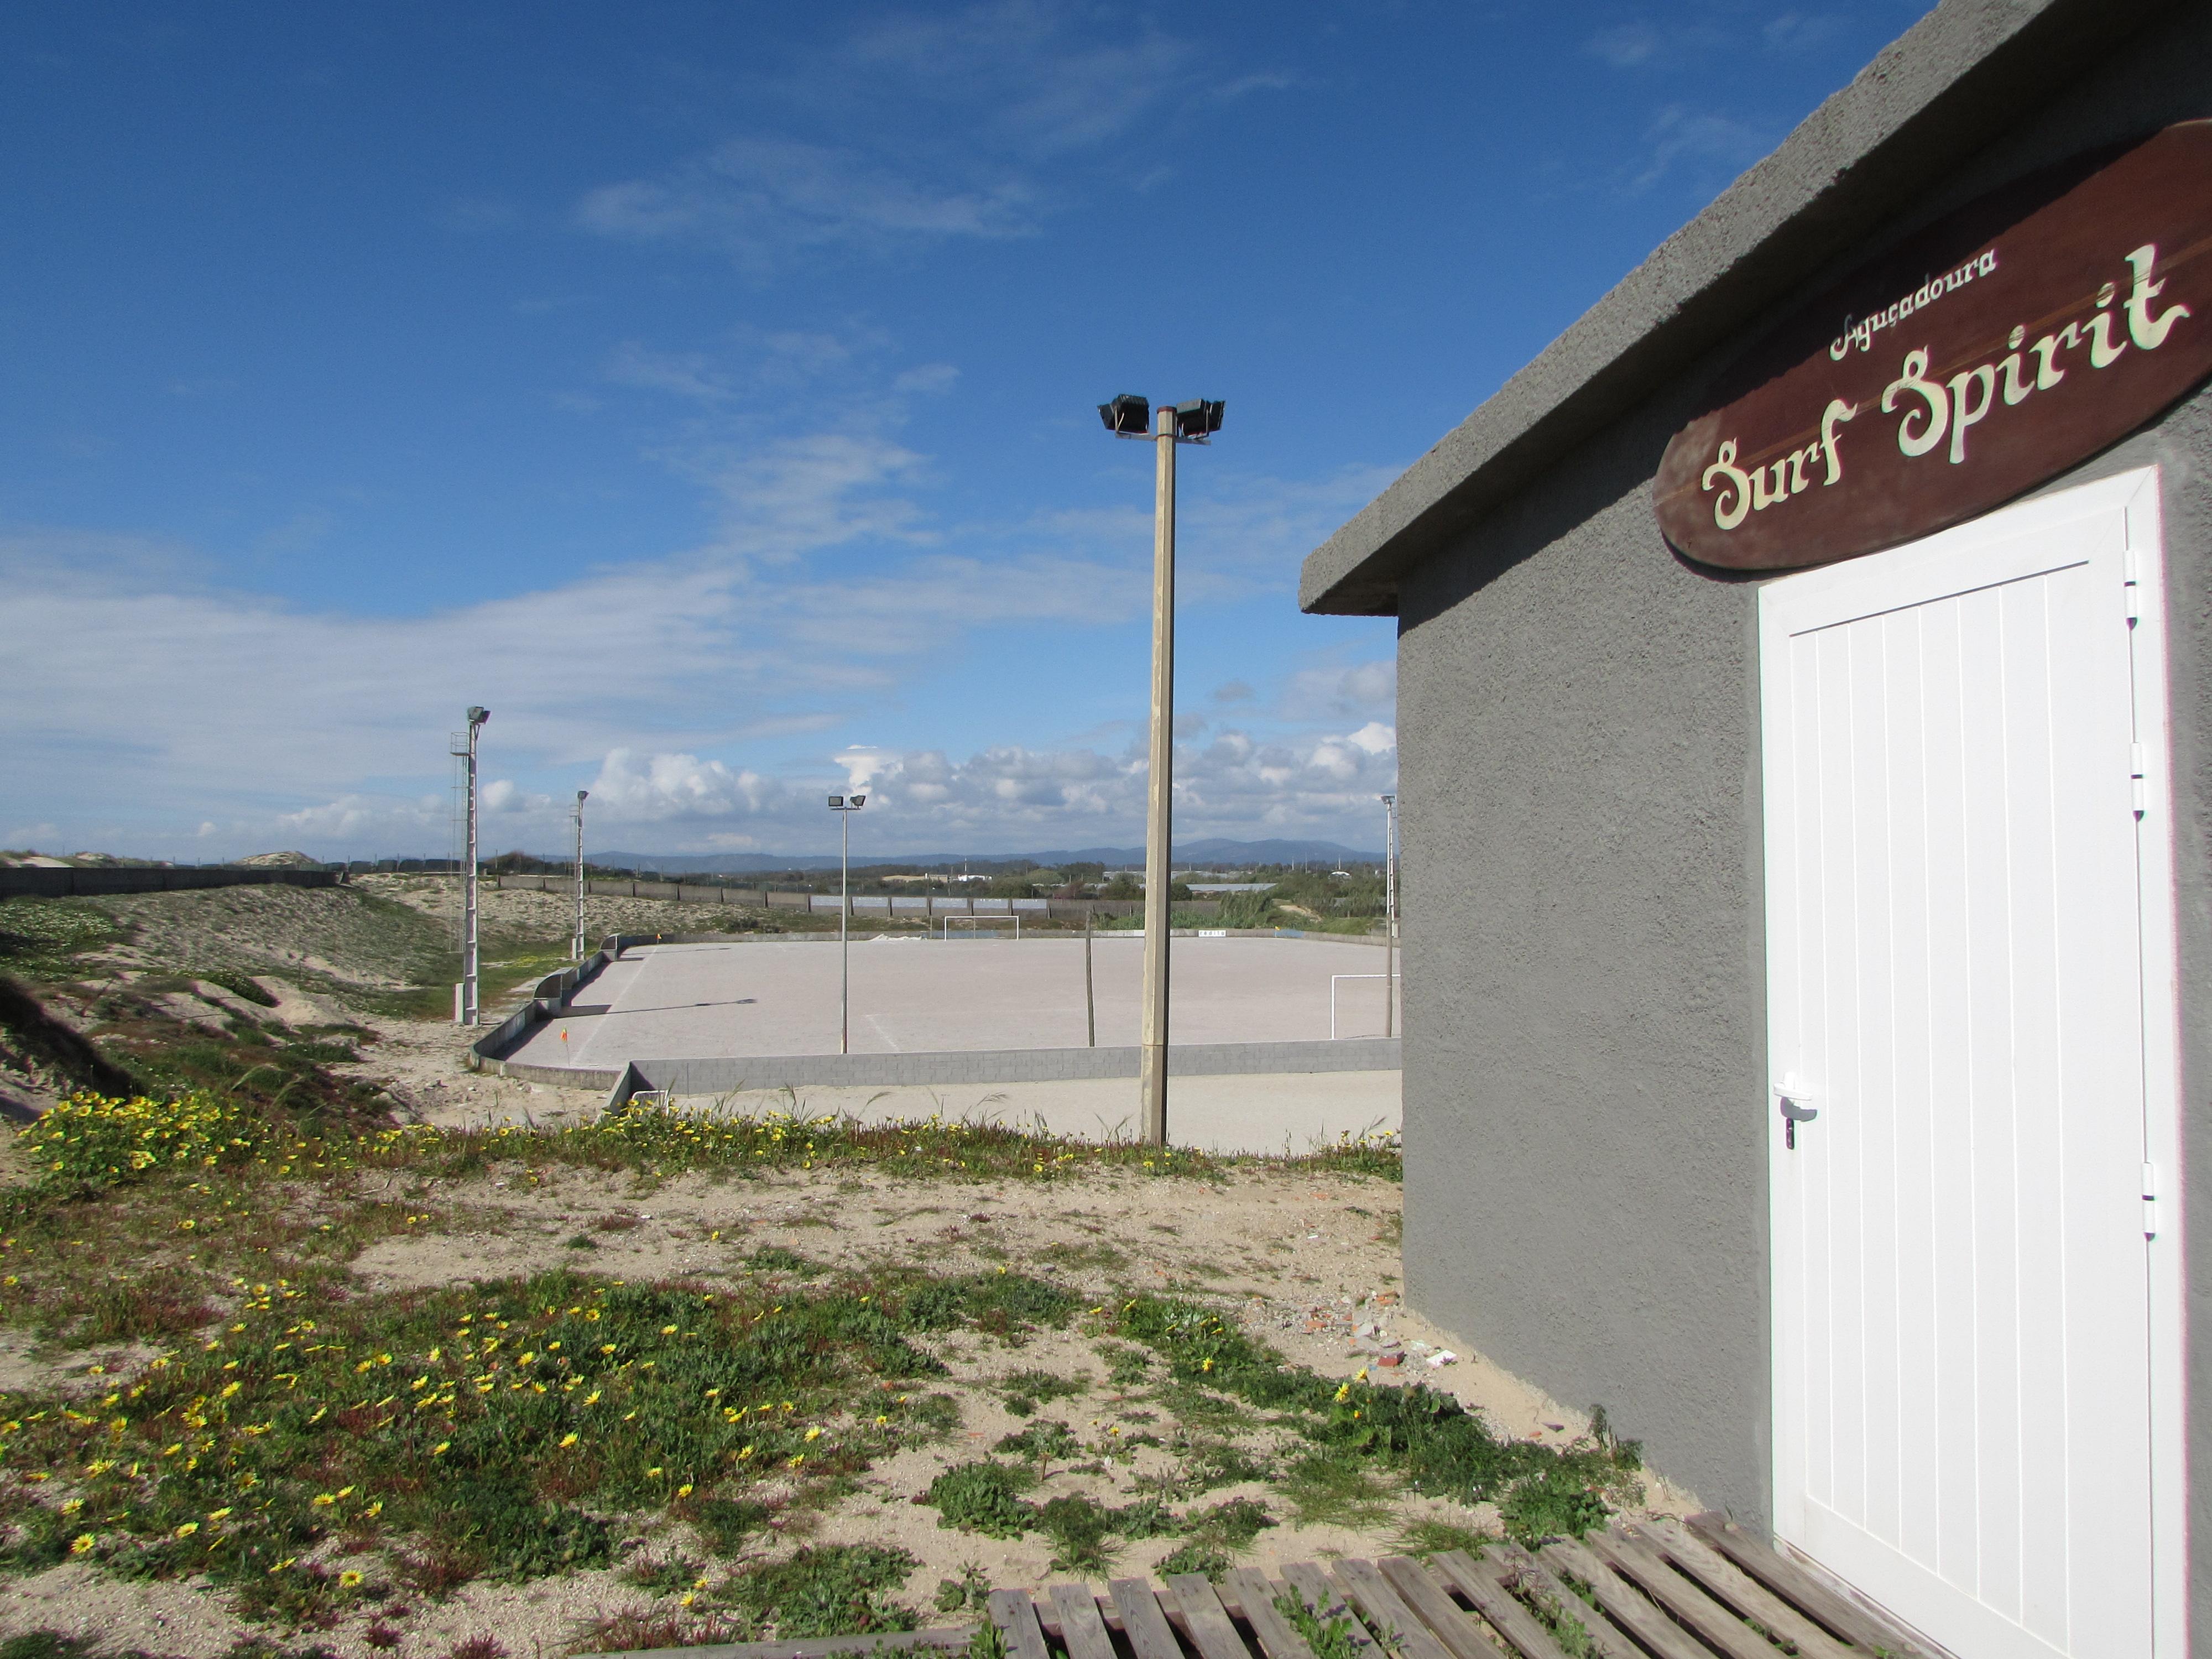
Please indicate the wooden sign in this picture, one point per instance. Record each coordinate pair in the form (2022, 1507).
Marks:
(1992, 352)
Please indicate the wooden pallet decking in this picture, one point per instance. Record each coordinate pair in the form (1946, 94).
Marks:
(1662, 1589)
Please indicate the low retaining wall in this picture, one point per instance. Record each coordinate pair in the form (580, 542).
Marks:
(37, 882)
(727, 1076)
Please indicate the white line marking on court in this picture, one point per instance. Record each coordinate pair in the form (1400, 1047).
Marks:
(884, 1035)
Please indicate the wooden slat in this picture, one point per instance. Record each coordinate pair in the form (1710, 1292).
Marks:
(1082, 1631)
(1257, 1595)
(1521, 1571)
(1738, 1588)
(1478, 1582)
(1386, 1611)
(1429, 1595)
(1211, 1632)
(1626, 1606)
(1643, 1566)
(1326, 1602)
(1841, 1615)
(1016, 1620)
(1147, 1628)
(814, 1647)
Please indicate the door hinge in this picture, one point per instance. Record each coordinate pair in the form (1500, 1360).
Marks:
(2150, 1201)
(2136, 759)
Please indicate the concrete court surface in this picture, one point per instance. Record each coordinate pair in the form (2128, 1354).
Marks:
(914, 995)
(1276, 1112)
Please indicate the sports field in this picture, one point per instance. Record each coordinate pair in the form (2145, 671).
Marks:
(912, 995)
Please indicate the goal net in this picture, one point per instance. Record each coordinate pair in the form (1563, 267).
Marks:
(973, 924)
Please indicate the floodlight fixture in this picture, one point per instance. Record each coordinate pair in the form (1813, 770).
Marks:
(1127, 416)
(1198, 420)
(860, 801)
(837, 801)
(478, 716)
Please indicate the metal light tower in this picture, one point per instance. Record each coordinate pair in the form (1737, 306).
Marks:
(840, 806)
(576, 948)
(1191, 422)
(469, 1003)
(1389, 909)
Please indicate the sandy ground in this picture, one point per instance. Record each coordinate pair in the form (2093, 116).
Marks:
(1307, 1264)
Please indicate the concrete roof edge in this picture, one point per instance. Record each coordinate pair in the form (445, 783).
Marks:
(1940, 91)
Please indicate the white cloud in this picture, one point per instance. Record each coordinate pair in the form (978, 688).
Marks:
(1623, 45)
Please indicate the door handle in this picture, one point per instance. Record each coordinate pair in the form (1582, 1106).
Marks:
(1796, 1106)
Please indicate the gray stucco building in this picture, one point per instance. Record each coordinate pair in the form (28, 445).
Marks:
(1911, 1335)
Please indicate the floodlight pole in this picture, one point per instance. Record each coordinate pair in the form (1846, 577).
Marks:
(1389, 909)
(842, 804)
(469, 1006)
(577, 947)
(1152, 1055)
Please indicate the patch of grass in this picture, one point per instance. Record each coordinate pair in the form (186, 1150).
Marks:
(1412, 1432)
(970, 1593)
(579, 1241)
(996, 1302)
(1431, 1535)
(826, 1589)
(1025, 1390)
(775, 1259)
(242, 986)
(983, 1497)
(1126, 1367)
(1079, 1528)
(1194, 1557)
(1041, 1443)
(1234, 1524)
(44, 939)
(483, 1431)
(1221, 1463)
(1090, 1255)
(1327, 1488)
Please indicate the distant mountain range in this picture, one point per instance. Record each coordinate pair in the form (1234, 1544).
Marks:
(1235, 855)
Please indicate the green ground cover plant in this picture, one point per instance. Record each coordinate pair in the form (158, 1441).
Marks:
(1423, 1437)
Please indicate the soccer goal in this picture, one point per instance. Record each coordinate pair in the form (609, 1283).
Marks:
(982, 921)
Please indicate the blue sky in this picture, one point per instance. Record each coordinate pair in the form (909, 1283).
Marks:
(708, 390)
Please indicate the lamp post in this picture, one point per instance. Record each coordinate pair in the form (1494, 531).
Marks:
(1193, 423)
(468, 1004)
(842, 805)
(1390, 907)
(577, 947)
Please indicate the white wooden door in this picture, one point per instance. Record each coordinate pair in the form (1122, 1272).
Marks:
(1956, 947)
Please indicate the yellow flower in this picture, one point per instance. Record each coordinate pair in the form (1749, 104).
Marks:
(188, 1529)
(325, 1499)
(81, 1543)
(653, 1474)
(348, 1578)
(567, 1440)
(683, 1491)
(439, 1450)
(217, 1515)
(814, 1433)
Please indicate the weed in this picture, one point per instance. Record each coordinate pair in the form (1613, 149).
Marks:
(726, 1522)
(1079, 1528)
(1326, 1487)
(775, 1259)
(1126, 1368)
(1041, 1442)
(1427, 1438)
(969, 1592)
(1193, 1557)
(826, 1589)
(581, 1242)
(987, 1643)
(1234, 1524)
(1027, 1389)
(983, 1497)
(662, 1573)
(1330, 1638)
(1431, 1535)
(997, 1301)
